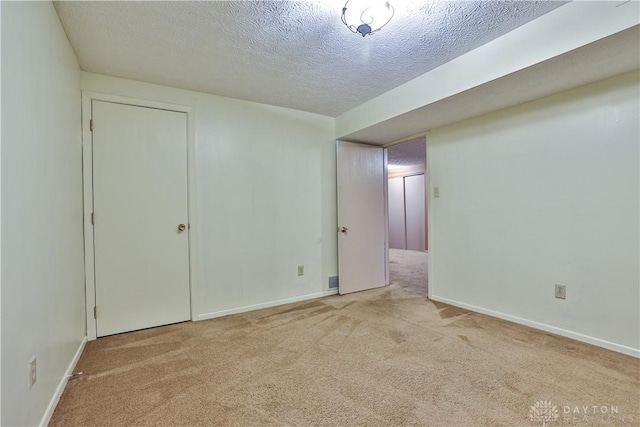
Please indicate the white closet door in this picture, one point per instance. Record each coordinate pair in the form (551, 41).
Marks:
(140, 206)
(397, 228)
(415, 212)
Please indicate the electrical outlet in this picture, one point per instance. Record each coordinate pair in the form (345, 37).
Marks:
(436, 192)
(301, 270)
(561, 291)
(33, 375)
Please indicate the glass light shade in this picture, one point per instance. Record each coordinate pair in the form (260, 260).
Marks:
(366, 16)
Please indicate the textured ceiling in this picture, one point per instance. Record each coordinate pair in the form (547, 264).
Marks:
(294, 54)
(408, 154)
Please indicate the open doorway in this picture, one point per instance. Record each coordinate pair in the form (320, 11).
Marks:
(407, 215)
(364, 259)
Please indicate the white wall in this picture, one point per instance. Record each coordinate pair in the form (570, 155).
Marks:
(265, 198)
(539, 194)
(0, 211)
(42, 259)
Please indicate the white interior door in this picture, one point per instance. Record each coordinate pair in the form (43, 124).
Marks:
(361, 217)
(139, 202)
(416, 219)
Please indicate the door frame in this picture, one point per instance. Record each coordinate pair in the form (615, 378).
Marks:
(87, 189)
(427, 200)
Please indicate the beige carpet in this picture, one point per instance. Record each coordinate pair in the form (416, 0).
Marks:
(387, 357)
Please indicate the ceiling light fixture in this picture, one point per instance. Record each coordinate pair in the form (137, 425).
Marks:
(366, 16)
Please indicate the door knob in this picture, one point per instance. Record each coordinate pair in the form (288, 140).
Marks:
(343, 229)
(182, 227)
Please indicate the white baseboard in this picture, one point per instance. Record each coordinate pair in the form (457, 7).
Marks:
(246, 308)
(63, 383)
(543, 327)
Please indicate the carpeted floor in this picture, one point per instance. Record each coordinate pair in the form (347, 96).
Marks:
(388, 357)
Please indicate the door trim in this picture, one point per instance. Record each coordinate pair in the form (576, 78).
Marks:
(87, 188)
(385, 189)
